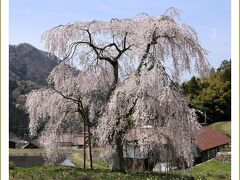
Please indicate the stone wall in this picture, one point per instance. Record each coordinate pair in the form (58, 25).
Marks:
(224, 157)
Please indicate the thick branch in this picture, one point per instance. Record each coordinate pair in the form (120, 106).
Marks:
(66, 97)
(153, 42)
(98, 50)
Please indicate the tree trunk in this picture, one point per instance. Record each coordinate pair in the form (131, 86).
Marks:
(90, 148)
(118, 161)
(115, 79)
(84, 145)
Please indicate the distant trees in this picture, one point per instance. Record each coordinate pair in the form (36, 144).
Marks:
(135, 51)
(212, 94)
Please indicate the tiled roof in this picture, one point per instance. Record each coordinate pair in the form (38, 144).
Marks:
(211, 138)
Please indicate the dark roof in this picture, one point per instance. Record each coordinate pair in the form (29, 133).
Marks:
(30, 146)
(211, 138)
(33, 144)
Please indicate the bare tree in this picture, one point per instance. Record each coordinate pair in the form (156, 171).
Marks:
(122, 43)
(73, 99)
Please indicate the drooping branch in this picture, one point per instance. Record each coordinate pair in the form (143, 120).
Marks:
(150, 100)
(118, 43)
(119, 39)
(73, 97)
(149, 46)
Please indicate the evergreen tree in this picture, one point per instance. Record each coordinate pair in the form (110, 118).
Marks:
(212, 94)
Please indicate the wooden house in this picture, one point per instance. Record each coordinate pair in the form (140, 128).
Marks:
(210, 143)
(72, 140)
(134, 159)
(204, 147)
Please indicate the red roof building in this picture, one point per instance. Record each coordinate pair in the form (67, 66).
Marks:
(211, 138)
(72, 139)
(209, 143)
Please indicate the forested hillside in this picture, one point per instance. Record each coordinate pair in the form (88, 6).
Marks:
(28, 69)
(212, 94)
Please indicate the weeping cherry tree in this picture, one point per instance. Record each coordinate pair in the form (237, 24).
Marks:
(70, 104)
(154, 106)
(123, 44)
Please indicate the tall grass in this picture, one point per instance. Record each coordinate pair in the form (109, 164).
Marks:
(224, 127)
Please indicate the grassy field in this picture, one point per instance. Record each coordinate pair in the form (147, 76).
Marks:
(23, 152)
(224, 127)
(77, 158)
(210, 170)
(51, 172)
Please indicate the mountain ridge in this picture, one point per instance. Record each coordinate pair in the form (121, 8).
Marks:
(29, 68)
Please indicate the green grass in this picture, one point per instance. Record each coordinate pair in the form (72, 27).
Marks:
(23, 152)
(48, 172)
(224, 127)
(77, 158)
(211, 170)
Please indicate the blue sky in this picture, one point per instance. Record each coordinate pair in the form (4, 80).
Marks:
(211, 19)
